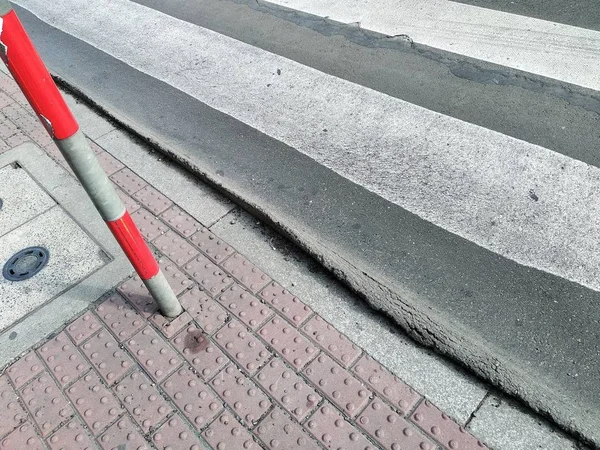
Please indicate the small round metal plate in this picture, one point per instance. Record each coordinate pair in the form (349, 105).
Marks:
(25, 264)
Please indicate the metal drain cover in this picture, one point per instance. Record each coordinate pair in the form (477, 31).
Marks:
(25, 263)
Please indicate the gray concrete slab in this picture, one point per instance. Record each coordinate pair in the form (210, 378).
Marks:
(71, 197)
(73, 256)
(505, 425)
(202, 202)
(22, 198)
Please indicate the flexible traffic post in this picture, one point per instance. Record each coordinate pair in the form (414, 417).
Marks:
(30, 73)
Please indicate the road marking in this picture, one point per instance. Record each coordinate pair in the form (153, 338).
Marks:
(519, 200)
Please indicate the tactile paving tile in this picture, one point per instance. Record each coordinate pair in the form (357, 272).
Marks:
(17, 139)
(130, 203)
(109, 163)
(203, 309)
(210, 277)
(136, 292)
(96, 405)
(152, 199)
(8, 85)
(71, 436)
(25, 369)
(24, 437)
(122, 433)
(286, 303)
(390, 430)
(181, 221)
(175, 247)
(120, 317)
(288, 389)
(386, 384)
(178, 281)
(142, 400)
(95, 147)
(242, 346)
(227, 432)
(109, 360)
(338, 385)
(174, 434)
(200, 351)
(246, 273)
(330, 428)
(45, 403)
(332, 341)
(170, 327)
(211, 245)
(63, 359)
(245, 306)
(128, 181)
(12, 411)
(150, 227)
(195, 400)
(242, 395)
(278, 431)
(83, 328)
(288, 342)
(443, 429)
(154, 354)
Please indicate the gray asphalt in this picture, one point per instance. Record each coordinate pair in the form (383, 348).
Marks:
(467, 302)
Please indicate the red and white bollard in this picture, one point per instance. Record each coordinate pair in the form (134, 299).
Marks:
(30, 73)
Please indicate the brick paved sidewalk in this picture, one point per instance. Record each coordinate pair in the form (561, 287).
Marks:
(247, 365)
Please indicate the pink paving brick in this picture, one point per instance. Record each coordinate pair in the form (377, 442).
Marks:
(142, 400)
(95, 147)
(286, 303)
(108, 359)
(17, 114)
(246, 273)
(200, 351)
(335, 343)
(195, 400)
(241, 394)
(130, 203)
(210, 244)
(170, 327)
(174, 434)
(149, 225)
(17, 139)
(245, 306)
(180, 221)
(178, 281)
(338, 385)
(332, 430)
(82, 328)
(109, 163)
(242, 346)
(135, 291)
(120, 317)
(154, 354)
(288, 389)
(128, 181)
(278, 431)
(210, 277)
(203, 309)
(288, 342)
(24, 437)
(95, 404)
(386, 384)
(13, 414)
(46, 404)
(25, 369)
(7, 128)
(8, 85)
(122, 433)
(5, 100)
(227, 432)
(63, 359)
(443, 429)
(390, 430)
(152, 199)
(71, 436)
(175, 247)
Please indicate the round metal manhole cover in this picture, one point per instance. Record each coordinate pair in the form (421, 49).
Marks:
(25, 264)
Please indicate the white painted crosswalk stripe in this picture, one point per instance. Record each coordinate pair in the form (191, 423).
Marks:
(519, 200)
